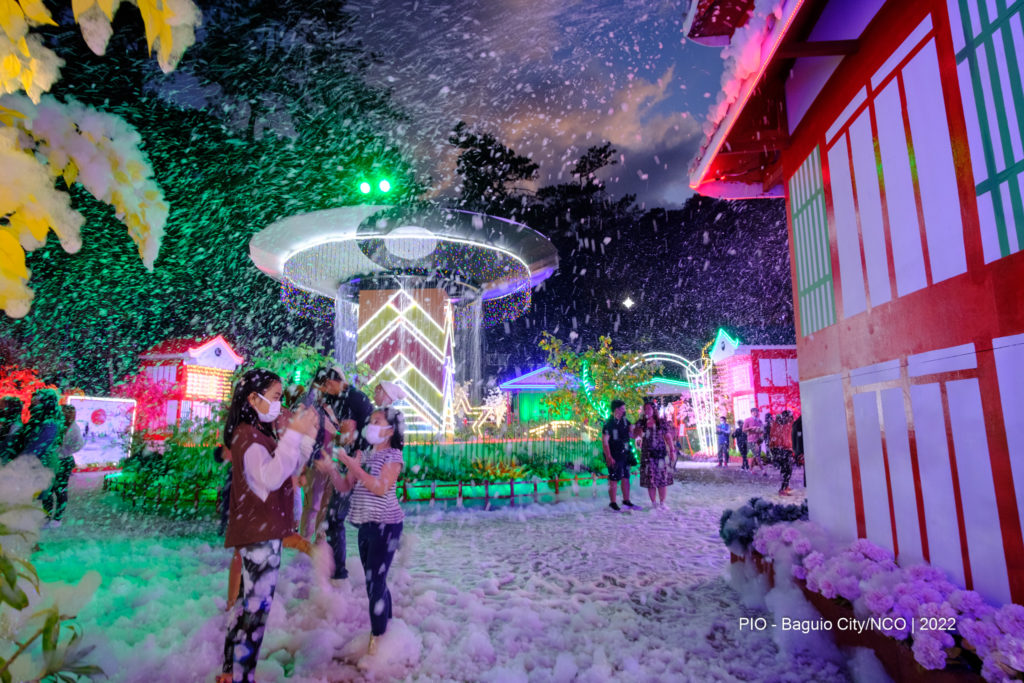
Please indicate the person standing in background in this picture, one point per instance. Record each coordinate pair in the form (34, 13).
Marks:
(10, 426)
(781, 443)
(754, 429)
(798, 445)
(741, 444)
(55, 500)
(723, 442)
(353, 409)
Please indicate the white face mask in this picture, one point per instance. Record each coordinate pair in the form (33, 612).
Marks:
(273, 413)
(372, 433)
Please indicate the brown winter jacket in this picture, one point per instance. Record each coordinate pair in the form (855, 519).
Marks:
(250, 519)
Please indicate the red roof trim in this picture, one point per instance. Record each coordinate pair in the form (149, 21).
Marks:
(182, 347)
(699, 180)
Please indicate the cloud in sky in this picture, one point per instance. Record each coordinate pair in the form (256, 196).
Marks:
(548, 79)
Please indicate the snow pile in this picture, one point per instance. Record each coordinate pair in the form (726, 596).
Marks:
(555, 592)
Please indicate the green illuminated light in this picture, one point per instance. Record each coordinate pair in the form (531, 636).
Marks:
(364, 187)
(384, 186)
(723, 334)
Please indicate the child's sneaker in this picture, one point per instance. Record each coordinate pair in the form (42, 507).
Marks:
(615, 507)
(631, 506)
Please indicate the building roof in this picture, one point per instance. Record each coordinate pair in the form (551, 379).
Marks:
(726, 346)
(747, 127)
(182, 348)
(542, 379)
(712, 22)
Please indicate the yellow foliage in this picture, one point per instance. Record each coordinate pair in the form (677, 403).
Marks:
(80, 7)
(8, 117)
(108, 7)
(36, 12)
(12, 258)
(28, 201)
(12, 20)
(15, 296)
(10, 67)
(70, 173)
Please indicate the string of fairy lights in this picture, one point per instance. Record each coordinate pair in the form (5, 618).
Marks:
(306, 304)
(508, 307)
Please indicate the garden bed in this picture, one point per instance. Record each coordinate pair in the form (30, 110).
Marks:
(195, 499)
(896, 656)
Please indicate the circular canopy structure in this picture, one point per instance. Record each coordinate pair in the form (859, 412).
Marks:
(469, 254)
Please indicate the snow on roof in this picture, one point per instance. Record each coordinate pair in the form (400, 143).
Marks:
(182, 347)
(748, 53)
(543, 379)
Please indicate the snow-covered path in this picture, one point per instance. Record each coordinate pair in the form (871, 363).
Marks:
(560, 592)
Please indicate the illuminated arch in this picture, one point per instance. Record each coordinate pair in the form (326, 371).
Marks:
(702, 392)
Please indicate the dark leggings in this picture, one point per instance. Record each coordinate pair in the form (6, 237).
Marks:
(337, 511)
(377, 546)
(784, 457)
(55, 498)
(260, 564)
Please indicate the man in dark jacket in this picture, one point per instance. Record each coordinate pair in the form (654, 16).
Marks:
(741, 444)
(353, 409)
(723, 442)
(617, 442)
(798, 445)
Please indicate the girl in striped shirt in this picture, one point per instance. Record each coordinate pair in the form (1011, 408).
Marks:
(374, 507)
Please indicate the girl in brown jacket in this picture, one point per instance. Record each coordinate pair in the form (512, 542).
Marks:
(261, 508)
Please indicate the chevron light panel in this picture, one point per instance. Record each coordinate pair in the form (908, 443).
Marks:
(407, 337)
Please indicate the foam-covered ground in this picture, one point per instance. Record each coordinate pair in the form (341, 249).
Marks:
(562, 592)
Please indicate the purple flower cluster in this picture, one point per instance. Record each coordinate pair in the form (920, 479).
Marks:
(996, 635)
(841, 575)
(867, 575)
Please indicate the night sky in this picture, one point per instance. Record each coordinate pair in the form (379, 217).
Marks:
(550, 79)
(281, 105)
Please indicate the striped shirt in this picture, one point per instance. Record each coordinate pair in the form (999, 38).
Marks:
(368, 507)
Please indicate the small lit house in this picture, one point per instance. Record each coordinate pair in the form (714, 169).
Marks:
(750, 376)
(199, 370)
(894, 132)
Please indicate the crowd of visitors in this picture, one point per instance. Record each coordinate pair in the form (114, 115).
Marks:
(302, 460)
(777, 440)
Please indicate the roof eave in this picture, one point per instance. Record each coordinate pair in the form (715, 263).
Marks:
(699, 180)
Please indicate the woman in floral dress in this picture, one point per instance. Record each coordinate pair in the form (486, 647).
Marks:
(657, 454)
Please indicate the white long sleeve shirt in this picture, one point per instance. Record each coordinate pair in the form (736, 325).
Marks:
(266, 472)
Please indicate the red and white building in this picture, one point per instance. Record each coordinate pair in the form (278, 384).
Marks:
(750, 376)
(894, 129)
(200, 372)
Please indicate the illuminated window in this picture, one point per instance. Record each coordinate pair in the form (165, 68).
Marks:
(209, 384)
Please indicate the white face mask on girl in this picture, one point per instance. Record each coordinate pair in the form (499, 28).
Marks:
(372, 433)
(274, 411)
